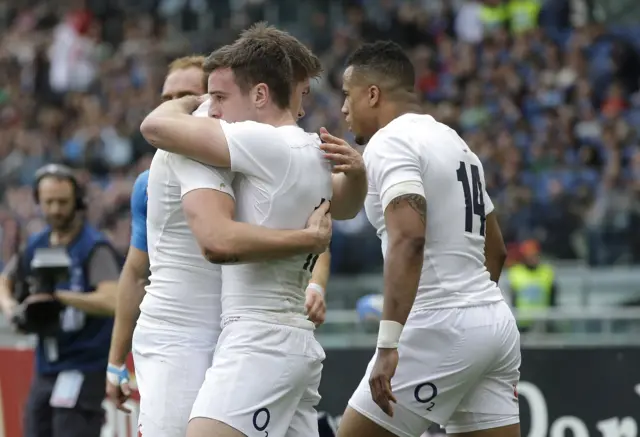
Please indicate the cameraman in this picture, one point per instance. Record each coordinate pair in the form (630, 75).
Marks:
(69, 386)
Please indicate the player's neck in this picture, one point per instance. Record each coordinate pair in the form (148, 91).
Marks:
(278, 118)
(393, 110)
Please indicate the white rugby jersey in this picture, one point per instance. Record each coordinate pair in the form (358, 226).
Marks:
(281, 177)
(429, 158)
(184, 288)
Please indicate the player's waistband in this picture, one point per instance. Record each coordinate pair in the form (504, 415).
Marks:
(294, 320)
(171, 322)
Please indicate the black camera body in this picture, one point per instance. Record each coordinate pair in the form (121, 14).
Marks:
(49, 266)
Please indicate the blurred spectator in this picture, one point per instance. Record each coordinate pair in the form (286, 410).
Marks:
(494, 15)
(468, 24)
(523, 15)
(532, 284)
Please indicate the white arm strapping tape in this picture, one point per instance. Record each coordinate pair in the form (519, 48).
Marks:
(389, 334)
(316, 287)
(400, 189)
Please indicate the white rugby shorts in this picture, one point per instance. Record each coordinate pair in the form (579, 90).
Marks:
(264, 380)
(170, 364)
(458, 367)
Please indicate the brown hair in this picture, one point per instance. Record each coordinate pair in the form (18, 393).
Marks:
(304, 63)
(255, 61)
(186, 62)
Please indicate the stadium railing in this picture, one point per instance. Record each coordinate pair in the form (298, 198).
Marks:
(578, 286)
(555, 327)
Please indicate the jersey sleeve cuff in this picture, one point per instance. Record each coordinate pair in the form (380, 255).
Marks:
(139, 245)
(401, 189)
(223, 187)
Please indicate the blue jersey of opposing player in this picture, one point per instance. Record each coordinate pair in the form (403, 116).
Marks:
(139, 200)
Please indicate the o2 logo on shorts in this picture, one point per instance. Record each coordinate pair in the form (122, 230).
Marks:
(261, 419)
(425, 393)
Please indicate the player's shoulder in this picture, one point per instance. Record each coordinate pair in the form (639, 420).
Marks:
(252, 133)
(298, 137)
(397, 137)
(139, 197)
(248, 127)
(142, 181)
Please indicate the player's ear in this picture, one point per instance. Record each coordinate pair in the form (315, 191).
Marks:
(260, 95)
(374, 96)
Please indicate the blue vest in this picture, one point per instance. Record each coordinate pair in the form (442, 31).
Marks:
(83, 340)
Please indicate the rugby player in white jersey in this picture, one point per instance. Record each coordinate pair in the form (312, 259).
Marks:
(266, 370)
(179, 323)
(448, 348)
(184, 77)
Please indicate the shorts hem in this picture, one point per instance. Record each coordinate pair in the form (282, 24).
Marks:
(456, 429)
(218, 419)
(379, 422)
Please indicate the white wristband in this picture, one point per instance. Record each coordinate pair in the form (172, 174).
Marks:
(316, 287)
(389, 334)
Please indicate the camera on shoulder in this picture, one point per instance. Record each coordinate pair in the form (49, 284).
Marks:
(49, 266)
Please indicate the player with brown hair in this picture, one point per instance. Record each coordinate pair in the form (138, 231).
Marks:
(273, 160)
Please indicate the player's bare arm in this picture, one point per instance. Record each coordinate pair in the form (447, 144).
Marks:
(225, 241)
(316, 290)
(349, 178)
(405, 220)
(495, 252)
(130, 291)
(171, 127)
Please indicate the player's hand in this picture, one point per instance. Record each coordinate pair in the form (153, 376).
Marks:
(345, 158)
(320, 226)
(315, 306)
(380, 379)
(188, 104)
(9, 310)
(8, 307)
(118, 388)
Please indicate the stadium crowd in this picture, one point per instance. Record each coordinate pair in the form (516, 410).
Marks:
(553, 110)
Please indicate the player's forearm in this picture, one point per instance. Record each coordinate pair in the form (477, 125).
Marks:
(494, 264)
(240, 243)
(402, 269)
(322, 269)
(130, 294)
(101, 302)
(6, 295)
(172, 129)
(349, 193)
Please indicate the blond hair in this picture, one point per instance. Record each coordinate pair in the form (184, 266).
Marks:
(186, 62)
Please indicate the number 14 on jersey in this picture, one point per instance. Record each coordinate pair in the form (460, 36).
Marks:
(473, 197)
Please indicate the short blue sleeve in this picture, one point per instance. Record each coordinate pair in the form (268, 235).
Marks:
(139, 212)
